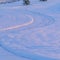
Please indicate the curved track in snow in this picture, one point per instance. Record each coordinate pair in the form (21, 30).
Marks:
(26, 40)
(16, 26)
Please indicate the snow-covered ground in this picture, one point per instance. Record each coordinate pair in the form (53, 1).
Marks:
(30, 32)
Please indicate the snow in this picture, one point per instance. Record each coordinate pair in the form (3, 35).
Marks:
(30, 32)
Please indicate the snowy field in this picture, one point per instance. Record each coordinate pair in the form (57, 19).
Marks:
(30, 32)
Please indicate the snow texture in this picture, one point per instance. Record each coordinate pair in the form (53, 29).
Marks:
(31, 32)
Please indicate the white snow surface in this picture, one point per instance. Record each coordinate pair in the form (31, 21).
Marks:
(30, 31)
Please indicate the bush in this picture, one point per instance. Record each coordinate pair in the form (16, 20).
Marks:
(43, 0)
(26, 2)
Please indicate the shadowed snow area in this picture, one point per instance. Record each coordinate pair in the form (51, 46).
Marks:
(7, 1)
(30, 32)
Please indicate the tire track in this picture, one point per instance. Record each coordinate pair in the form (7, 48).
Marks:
(23, 44)
(29, 43)
(19, 26)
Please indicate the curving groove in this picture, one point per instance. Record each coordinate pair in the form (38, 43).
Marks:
(23, 44)
(40, 20)
(18, 25)
(37, 21)
(28, 43)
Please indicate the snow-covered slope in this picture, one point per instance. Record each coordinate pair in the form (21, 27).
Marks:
(30, 31)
